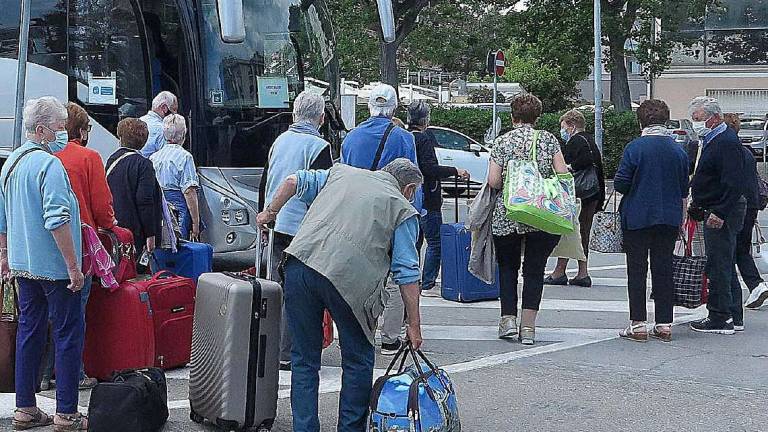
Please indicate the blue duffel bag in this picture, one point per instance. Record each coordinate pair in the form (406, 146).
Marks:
(417, 398)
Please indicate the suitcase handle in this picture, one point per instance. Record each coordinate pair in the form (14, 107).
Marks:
(163, 274)
(456, 196)
(260, 250)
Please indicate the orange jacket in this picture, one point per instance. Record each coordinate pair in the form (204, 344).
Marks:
(89, 182)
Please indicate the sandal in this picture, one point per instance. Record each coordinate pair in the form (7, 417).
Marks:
(527, 335)
(70, 423)
(663, 332)
(633, 333)
(37, 419)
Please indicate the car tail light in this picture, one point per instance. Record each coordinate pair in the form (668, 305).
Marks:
(680, 132)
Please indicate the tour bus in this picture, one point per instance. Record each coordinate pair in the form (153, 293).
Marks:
(236, 66)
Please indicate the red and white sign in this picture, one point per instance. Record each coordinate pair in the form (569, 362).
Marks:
(500, 63)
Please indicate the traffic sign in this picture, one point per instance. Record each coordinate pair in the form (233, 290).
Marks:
(496, 63)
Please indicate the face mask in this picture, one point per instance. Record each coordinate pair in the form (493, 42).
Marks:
(62, 137)
(700, 127)
(565, 135)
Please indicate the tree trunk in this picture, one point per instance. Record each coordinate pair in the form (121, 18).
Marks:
(620, 94)
(388, 64)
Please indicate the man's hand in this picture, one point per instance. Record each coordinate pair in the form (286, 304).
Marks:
(464, 174)
(414, 335)
(265, 218)
(714, 222)
(76, 279)
(194, 233)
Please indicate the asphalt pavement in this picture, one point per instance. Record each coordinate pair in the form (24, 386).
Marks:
(577, 377)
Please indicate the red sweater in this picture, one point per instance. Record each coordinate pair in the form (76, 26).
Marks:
(89, 182)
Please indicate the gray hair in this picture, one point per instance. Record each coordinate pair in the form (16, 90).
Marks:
(418, 113)
(164, 98)
(710, 105)
(174, 129)
(377, 111)
(45, 111)
(308, 107)
(404, 171)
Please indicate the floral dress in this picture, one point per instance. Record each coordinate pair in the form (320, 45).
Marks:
(516, 144)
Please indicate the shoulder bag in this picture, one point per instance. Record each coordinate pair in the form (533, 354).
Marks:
(9, 323)
(586, 180)
(607, 235)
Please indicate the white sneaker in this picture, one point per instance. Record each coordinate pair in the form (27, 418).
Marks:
(757, 297)
(507, 327)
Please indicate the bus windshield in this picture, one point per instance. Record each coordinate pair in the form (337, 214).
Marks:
(267, 70)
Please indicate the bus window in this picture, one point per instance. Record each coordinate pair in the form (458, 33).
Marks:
(106, 40)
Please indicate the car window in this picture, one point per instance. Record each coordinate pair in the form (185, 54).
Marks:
(673, 124)
(450, 140)
(752, 124)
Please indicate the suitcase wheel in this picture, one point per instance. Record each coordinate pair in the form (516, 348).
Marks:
(195, 417)
(266, 426)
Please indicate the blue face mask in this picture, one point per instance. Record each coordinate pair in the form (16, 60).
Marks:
(62, 138)
(565, 135)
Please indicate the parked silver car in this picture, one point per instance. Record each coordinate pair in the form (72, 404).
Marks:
(682, 130)
(458, 150)
(752, 136)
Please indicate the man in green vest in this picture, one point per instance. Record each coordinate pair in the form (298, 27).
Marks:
(359, 228)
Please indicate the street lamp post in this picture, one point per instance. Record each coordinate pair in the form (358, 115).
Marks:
(21, 72)
(598, 76)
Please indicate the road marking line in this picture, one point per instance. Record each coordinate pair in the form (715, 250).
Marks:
(546, 304)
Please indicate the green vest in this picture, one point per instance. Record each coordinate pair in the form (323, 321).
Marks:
(346, 236)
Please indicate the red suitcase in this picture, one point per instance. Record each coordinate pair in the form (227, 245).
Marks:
(120, 330)
(173, 305)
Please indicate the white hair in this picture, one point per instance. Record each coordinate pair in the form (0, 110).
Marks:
(405, 171)
(308, 107)
(164, 98)
(44, 111)
(710, 105)
(174, 129)
(378, 111)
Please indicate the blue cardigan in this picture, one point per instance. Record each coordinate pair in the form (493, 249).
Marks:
(653, 177)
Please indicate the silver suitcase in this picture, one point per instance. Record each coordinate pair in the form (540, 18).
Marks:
(234, 375)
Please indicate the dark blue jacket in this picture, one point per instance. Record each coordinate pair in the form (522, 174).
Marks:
(721, 177)
(750, 174)
(653, 177)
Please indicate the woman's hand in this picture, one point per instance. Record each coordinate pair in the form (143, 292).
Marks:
(76, 279)
(194, 233)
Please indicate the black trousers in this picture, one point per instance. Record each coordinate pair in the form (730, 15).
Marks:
(538, 246)
(744, 260)
(658, 242)
(724, 288)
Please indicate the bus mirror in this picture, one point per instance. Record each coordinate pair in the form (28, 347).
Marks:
(387, 18)
(232, 21)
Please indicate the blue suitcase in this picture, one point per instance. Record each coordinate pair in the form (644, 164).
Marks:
(458, 284)
(191, 260)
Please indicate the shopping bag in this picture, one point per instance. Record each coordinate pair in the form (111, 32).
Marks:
(607, 235)
(419, 398)
(690, 287)
(547, 204)
(570, 244)
(9, 322)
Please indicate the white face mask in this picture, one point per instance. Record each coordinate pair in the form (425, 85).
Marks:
(700, 127)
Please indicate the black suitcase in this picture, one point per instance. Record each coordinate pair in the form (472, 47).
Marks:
(132, 401)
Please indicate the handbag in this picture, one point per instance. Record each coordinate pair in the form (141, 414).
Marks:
(9, 323)
(690, 287)
(586, 181)
(570, 245)
(607, 235)
(131, 401)
(419, 398)
(118, 242)
(547, 204)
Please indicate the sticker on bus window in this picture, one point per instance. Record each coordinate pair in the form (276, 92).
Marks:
(102, 90)
(273, 92)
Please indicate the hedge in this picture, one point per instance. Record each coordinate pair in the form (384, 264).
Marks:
(620, 128)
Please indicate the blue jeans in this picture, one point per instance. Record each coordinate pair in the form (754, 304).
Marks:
(39, 300)
(307, 294)
(724, 288)
(85, 293)
(430, 226)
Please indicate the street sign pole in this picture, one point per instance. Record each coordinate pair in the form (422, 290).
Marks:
(598, 74)
(21, 72)
(495, 89)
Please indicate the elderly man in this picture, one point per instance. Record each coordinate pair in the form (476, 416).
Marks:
(372, 145)
(301, 147)
(40, 245)
(164, 104)
(718, 189)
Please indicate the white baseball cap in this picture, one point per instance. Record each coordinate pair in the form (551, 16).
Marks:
(383, 95)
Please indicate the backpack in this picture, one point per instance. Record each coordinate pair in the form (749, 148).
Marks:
(762, 192)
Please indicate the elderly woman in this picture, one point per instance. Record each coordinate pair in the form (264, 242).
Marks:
(40, 245)
(137, 196)
(177, 175)
(509, 235)
(418, 122)
(581, 154)
(653, 177)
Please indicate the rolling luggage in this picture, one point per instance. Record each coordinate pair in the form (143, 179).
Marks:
(120, 330)
(118, 242)
(457, 283)
(191, 260)
(172, 299)
(234, 376)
